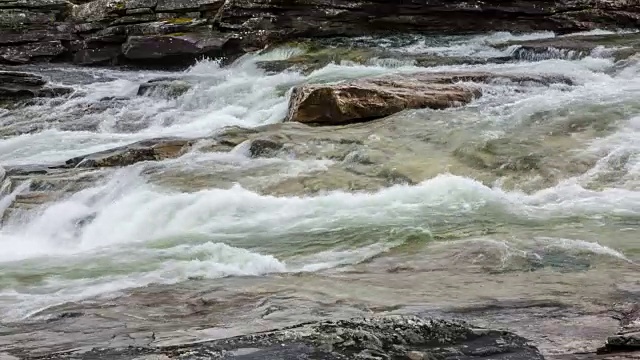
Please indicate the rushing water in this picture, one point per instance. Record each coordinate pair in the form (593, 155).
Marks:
(142, 231)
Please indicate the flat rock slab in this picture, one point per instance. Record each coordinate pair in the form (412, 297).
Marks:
(21, 85)
(389, 337)
(373, 98)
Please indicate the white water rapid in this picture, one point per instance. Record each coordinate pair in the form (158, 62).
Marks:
(125, 231)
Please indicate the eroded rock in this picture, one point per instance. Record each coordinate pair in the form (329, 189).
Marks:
(22, 54)
(20, 85)
(178, 47)
(373, 98)
(164, 87)
(147, 150)
(390, 337)
(619, 46)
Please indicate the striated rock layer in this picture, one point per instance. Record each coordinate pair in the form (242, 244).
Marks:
(391, 337)
(172, 32)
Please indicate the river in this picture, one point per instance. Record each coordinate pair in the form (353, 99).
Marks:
(423, 209)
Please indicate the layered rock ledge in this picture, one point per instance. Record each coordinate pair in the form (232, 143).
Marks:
(390, 337)
(16, 85)
(170, 32)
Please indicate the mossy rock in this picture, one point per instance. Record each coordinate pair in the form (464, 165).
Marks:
(180, 21)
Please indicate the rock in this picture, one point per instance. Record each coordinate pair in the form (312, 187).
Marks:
(22, 54)
(17, 18)
(164, 87)
(263, 147)
(147, 150)
(389, 337)
(137, 4)
(106, 54)
(368, 99)
(628, 338)
(188, 5)
(97, 10)
(619, 46)
(179, 47)
(19, 85)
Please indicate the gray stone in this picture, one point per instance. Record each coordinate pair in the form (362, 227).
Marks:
(98, 10)
(189, 45)
(37, 4)
(132, 19)
(168, 88)
(389, 337)
(104, 54)
(183, 5)
(136, 4)
(20, 85)
(139, 11)
(22, 54)
(15, 19)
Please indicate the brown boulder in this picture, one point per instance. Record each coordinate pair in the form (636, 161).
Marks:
(369, 99)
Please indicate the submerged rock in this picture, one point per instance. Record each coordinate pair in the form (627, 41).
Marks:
(619, 46)
(368, 99)
(390, 337)
(164, 87)
(21, 85)
(148, 150)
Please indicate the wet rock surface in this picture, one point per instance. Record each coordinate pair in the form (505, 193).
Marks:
(369, 99)
(164, 87)
(20, 85)
(178, 33)
(372, 338)
(147, 150)
(619, 46)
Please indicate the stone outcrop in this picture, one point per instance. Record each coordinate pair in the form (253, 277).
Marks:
(179, 32)
(16, 85)
(369, 99)
(391, 337)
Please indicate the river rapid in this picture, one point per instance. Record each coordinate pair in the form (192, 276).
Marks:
(423, 209)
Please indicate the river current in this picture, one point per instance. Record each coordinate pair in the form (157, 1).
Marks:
(301, 226)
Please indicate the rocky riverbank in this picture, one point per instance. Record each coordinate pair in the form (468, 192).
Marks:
(168, 32)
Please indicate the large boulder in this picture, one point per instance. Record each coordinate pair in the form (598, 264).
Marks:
(369, 99)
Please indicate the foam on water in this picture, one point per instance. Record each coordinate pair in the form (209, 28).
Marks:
(127, 232)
